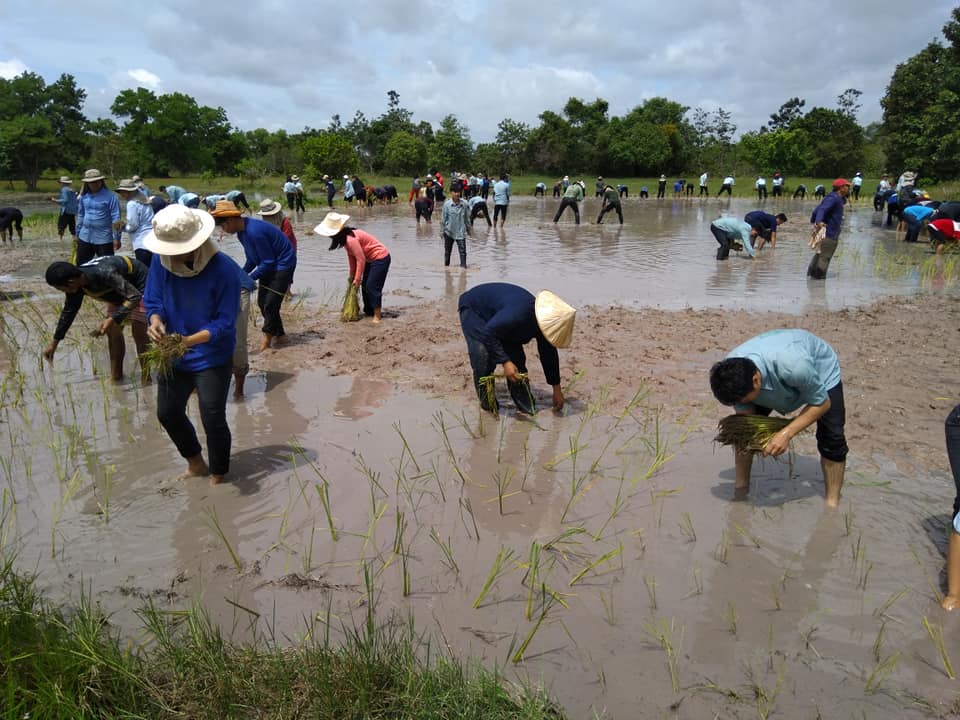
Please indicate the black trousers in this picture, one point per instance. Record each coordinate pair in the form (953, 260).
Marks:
(499, 211)
(831, 441)
(272, 289)
(173, 392)
(448, 248)
(607, 208)
(564, 204)
(723, 252)
(88, 251)
(483, 365)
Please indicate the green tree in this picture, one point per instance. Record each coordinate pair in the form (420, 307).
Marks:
(451, 148)
(510, 143)
(404, 154)
(41, 126)
(488, 159)
(548, 144)
(835, 141)
(921, 108)
(784, 150)
(790, 111)
(329, 153)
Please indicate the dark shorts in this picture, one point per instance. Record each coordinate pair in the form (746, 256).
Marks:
(67, 220)
(831, 441)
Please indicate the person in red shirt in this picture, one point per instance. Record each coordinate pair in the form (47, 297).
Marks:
(943, 231)
(369, 259)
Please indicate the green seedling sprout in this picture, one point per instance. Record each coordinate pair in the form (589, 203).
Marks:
(214, 522)
(650, 582)
(936, 637)
(500, 568)
(686, 527)
(605, 558)
(446, 549)
(663, 633)
(881, 671)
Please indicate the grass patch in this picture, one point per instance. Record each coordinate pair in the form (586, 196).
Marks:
(58, 663)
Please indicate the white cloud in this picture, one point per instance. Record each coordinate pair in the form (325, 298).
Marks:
(11, 68)
(144, 77)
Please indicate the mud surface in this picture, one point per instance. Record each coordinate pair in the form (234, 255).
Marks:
(360, 455)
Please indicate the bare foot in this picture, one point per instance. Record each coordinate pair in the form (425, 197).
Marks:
(196, 467)
(950, 602)
(831, 502)
(264, 346)
(376, 320)
(216, 479)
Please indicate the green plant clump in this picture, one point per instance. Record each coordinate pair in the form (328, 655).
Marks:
(749, 433)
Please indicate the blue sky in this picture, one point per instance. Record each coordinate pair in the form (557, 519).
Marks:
(293, 64)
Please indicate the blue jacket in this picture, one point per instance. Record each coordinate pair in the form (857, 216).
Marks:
(267, 249)
(507, 321)
(208, 301)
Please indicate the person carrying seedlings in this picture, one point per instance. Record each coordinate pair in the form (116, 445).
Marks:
(271, 261)
(732, 233)
(571, 198)
(765, 225)
(369, 259)
(611, 201)
(192, 298)
(497, 320)
(787, 370)
(827, 219)
(116, 280)
(455, 224)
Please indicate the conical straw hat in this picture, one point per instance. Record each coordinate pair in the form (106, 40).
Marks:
(555, 318)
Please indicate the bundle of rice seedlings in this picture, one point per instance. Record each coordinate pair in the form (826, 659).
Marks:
(488, 388)
(350, 312)
(162, 355)
(749, 433)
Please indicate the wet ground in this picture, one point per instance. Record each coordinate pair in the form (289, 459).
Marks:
(629, 582)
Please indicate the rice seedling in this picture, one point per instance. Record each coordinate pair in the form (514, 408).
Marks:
(8, 518)
(350, 309)
(547, 605)
(650, 582)
(936, 637)
(161, 356)
(881, 671)
(878, 641)
(619, 503)
(663, 633)
(499, 568)
(501, 433)
(406, 447)
(776, 597)
(576, 482)
(466, 505)
(446, 549)
(848, 522)
(440, 425)
(609, 614)
(766, 698)
(642, 393)
(658, 448)
(746, 535)
(890, 601)
(104, 506)
(930, 583)
(605, 558)
(531, 577)
(720, 551)
(732, 618)
(58, 507)
(686, 527)
(401, 548)
(502, 479)
(562, 543)
(697, 583)
(749, 433)
(808, 640)
(323, 491)
(214, 522)
(487, 385)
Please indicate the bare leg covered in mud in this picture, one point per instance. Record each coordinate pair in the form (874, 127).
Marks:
(951, 600)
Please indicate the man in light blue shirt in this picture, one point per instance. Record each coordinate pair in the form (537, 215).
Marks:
(455, 224)
(501, 199)
(98, 216)
(173, 192)
(787, 370)
(190, 200)
(730, 232)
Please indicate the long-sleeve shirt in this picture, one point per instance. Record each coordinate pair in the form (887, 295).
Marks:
(187, 305)
(796, 367)
(189, 199)
(139, 222)
(266, 248)
(508, 321)
(67, 201)
(362, 247)
(211, 201)
(830, 213)
(733, 226)
(174, 192)
(455, 219)
(348, 189)
(574, 192)
(289, 187)
(761, 221)
(96, 215)
(501, 192)
(115, 279)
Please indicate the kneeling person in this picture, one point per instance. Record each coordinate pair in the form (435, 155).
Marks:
(785, 370)
(497, 319)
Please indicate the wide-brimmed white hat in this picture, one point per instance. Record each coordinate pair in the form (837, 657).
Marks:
(178, 230)
(295, 178)
(332, 224)
(92, 174)
(555, 318)
(346, 177)
(269, 207)
(128, 185)
(65, 180)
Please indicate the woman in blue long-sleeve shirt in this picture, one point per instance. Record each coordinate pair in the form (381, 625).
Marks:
(271, 261)
(193, 290)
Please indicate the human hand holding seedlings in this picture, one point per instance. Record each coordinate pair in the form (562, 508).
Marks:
(778, 444)
(510, 372)
(156, 329)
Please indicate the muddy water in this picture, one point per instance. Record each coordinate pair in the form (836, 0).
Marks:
(641, 546)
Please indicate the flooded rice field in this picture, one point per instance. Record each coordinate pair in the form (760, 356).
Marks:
(596, 551)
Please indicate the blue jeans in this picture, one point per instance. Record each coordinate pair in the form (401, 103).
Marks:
(211, 385)
(371, 287)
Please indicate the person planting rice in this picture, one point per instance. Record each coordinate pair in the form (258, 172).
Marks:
(786, 370)
(497, 320)
(116, 280)
(369, 259)
(271, 261)
(827, 219)
(194, 292)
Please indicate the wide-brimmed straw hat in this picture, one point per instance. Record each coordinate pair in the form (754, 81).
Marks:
(128, 185)
(269, 207)
(225, 209)
(332, 224)
(295, 178)
(555, 318)
(64, 180)
(178, 230)
(137, 178)
(92, 174)
(326, 177)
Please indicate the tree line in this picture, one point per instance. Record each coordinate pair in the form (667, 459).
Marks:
(43, 129)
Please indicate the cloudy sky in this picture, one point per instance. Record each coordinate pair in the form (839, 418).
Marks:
(297, 63)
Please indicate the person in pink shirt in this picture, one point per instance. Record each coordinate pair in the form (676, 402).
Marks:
(369, 259)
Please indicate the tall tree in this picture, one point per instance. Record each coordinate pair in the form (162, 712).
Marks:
(510, 143)
(848, 102)
(790, 111)
(404, 154)
(451, 148)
